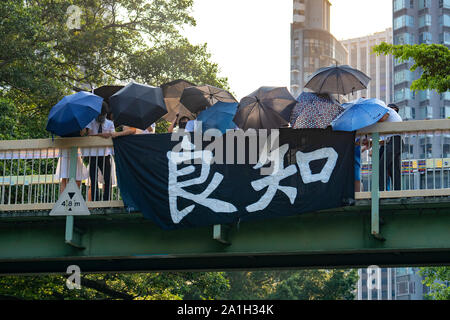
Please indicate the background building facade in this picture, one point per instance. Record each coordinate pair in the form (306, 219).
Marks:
(416, 22)
(378, 67)
(312, 44)
(390, 284)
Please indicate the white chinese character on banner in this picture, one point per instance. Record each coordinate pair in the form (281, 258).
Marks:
(176, 187)
(304, 160)
(272, 182)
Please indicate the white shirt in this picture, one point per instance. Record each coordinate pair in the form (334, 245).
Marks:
(93, 126)
(393, 117)
(107, 126)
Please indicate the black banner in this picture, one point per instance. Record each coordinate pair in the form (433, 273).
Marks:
(194, 181)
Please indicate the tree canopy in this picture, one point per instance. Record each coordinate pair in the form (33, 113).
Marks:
(50, 47)
(432, 59)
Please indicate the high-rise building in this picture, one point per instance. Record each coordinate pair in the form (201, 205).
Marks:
(390, 284)
(378, 67)
(312, 44)
(416, 22)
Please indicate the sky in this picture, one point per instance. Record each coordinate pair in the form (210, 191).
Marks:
(250, 39)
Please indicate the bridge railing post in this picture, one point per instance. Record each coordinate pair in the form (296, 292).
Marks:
(375, 192)
(73, 235)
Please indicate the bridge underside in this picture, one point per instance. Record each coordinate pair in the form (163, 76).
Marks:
(416, 232)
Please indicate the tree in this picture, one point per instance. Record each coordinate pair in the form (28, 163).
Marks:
(438, 280)
(150, 286)
(50, 47)
(293, 285)
(432, 59)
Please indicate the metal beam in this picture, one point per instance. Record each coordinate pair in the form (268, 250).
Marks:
(416, 234)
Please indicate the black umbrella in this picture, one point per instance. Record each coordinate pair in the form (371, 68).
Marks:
(107, 91)
(265, 108)
(172, 92)
(338, 79)
(137, 105)
(199, 98)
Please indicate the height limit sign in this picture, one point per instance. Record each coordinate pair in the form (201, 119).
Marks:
(70, 202)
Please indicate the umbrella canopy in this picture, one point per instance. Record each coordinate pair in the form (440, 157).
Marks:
(73, 113)
(361, 113)
(314, 111)
(172, 92)
(265, 108)
(218, 116)
(338, 79)
(107, 91)
(199, 98)
(137, 105)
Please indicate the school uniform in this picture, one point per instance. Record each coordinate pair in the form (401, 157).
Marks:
(100, 158)
(391, 153)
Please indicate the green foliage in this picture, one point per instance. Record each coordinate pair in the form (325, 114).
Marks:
(152, 286)
(293, 285)
(438, 280)
(243, 285)
(41, 59)
(432, 59)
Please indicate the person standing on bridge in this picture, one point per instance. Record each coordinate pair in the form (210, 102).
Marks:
(100, 158)
(390, 154)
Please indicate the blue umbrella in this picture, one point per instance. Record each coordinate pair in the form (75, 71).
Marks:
(359, 114)
(73, 113)
(218, 116)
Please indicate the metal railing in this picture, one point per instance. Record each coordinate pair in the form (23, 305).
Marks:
(406, 159)
(34, 172)
(414, 162)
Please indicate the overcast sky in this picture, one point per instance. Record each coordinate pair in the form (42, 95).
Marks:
(250, 39)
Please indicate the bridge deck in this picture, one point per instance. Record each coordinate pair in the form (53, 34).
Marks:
(414, 228)
(416, 232)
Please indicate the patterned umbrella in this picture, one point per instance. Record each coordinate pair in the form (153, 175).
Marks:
(314, 111)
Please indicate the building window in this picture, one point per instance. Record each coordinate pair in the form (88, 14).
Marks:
(445, 95)
(444, 38)
(403, 21)
(424, 4)
(407, 113)
(444, 4)
(404, 38)
(402, 76)
(445, 112)
(402, 94)
(424, 95)
(444, 20)
(426, 112)
(425, 37)
(403, 288)
(424, 20)
(399, 4)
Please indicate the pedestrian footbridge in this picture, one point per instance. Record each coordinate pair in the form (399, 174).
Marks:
(405, 227)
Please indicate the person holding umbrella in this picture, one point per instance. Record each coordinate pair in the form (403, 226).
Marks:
(68, 118)
(100, 159)
(63, 166)
(182, 124)
(359, 114)
(390, 152)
